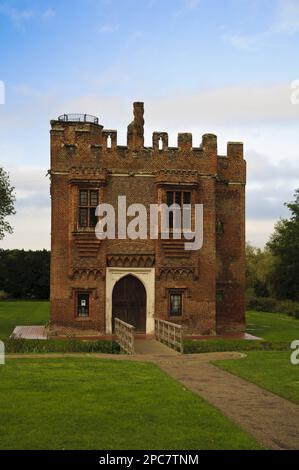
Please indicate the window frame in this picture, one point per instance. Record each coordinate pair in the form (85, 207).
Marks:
(77, 306)
(175, 192)
(177, 292)
(219, 295)
(219, 227)
(89, 207)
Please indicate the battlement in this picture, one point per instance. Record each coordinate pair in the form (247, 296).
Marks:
(107, 139)
(78, 138)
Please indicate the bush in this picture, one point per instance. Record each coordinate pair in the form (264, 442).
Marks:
(20, 345)
(267, 304)
(3, 295)
(262, 304)
(214, 345)
(288, 307)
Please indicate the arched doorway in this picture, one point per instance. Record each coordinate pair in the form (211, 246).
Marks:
(129, 302)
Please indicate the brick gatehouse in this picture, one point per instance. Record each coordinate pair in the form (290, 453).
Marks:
(92, 281)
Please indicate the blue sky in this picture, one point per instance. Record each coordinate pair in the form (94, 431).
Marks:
(221, 66)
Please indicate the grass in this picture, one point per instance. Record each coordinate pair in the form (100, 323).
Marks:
(277, 331)
(96, 404)
(13, 313)
(274, 327)
(271, 370)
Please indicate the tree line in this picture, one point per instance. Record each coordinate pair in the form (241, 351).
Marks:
(273, 273)
(24, 274)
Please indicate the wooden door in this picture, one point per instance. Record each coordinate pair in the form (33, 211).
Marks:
(129, 302)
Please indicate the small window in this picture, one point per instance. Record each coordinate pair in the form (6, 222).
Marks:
(88, 202)
(82, 305)
(175, 303)
(219, 296)
(219, 228)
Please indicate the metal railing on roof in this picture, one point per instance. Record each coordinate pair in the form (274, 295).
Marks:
(78, 118)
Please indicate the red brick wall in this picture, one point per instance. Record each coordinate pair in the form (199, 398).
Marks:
(80, 158)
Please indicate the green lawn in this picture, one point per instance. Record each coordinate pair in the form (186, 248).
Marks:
(22, 313)
(276, 330)
(97, 404)
(273, 326)
(271, 370)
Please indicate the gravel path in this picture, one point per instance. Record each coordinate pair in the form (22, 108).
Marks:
(271, 420)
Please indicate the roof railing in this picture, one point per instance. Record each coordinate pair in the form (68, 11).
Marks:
(78, 118)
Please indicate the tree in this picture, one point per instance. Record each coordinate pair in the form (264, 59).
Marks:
(259, 271)
(7, 200)
(284, 245)
(25, 274)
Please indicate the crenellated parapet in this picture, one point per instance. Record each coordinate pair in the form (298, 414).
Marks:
(79, 140)
(109, 139)
(232, 167)
(160, 141)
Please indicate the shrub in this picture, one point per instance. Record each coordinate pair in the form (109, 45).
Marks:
(214, 345)
(262, 304)
(3, 295)
(267, 304)
(289, 307)
(20, 345)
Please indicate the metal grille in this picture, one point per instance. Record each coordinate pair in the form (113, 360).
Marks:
(78, 118)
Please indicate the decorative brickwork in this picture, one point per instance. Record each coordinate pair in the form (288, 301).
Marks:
(86, 157)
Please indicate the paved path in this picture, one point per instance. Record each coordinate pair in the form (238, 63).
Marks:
(30, 332)
(271, 420)
(153, 348)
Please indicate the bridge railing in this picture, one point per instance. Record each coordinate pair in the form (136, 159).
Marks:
(169, 334)
(125, 335)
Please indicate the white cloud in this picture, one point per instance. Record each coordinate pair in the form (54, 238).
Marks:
(49, 13)
(287, 17)
(31, 230)
(261, 116)
(20, 16)
(242, 105)
(32, 221)
(192, 3)
(286, 21)
(15, 15)
(248, 42)
(258, 231)
(108, 28)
